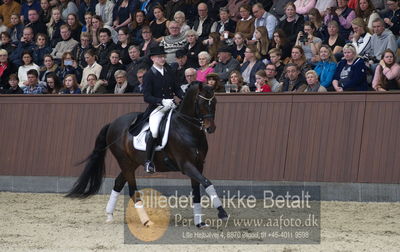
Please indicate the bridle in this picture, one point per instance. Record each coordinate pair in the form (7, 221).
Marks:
(198, 119)
(210, 114)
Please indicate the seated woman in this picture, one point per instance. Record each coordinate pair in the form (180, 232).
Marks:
(313, 84)
(6, 42)
(309, 42)
(225, 26)
(365, 9)
(251, 65)
(238, 47)
(41, 49)
(316, 19)
(53, 84)
(70, 85)
(13, 85)
(139, 21)
(92, 67)
(291, 23)
(387, 73)
(69, 66)
(334, 41)
(262, 42)
(343, 15)
(280, 42)
(298, 58)
(49, 67)
(159, 25)
(262, 82)
(76, 27)
(213, 43)
(236, 79)
(180, 18)
(204, 69)
(212, 80)
(107, 72)
(123, 45)
(28, 64)
(326, 67)
(246, 24)
(121, 85)
(361, 37)
(92, 86)
(351, 74)
(193, 47)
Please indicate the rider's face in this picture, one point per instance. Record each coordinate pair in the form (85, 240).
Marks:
(158, 60)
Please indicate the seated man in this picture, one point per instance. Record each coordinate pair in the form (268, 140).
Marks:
(293, 81)
(226, 64)
(159, 90)
(190, 76)
(181, 65)
(33, 86)
(67, 43)
(175, 41)
(381, 40)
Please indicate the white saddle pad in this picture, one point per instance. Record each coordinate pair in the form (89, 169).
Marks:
(139, 141)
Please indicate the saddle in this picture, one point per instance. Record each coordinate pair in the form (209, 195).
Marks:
(140, 129)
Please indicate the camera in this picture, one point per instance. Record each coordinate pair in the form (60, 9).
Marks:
(304, 37)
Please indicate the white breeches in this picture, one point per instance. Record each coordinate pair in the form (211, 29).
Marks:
(155, 119)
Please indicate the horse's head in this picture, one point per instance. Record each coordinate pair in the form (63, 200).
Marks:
(205, 106)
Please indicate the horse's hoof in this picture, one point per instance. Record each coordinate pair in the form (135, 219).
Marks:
(222, 214)
(110, 218)
(202, 225)
(148, 223)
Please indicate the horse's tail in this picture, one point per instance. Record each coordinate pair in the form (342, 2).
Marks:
(92, 176)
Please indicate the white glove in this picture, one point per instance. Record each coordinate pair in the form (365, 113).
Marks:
(168, 103)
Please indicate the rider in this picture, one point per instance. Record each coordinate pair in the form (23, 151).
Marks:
(159, 88)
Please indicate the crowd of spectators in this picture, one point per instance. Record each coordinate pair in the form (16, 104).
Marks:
(102, 46)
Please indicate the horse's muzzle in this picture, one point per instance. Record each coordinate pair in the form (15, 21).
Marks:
(211, 130)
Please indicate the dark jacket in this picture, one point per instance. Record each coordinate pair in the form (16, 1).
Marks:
(259, 65)
(206, 27)
(18, 29)
(38, 27)
(11, 68)
(230, 26)
(357, 79)
(103, 52)
(15, 57)
(158, 87)
(38, 54)
(298, 86)
(79, 54)
(193, 53)
(107, 73)
(17, 90)
(132, 69)
(291, 29)
(56, 35)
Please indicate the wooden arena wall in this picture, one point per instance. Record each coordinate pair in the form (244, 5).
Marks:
(353, 137)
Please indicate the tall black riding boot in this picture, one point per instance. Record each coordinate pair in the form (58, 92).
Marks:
(150, 148)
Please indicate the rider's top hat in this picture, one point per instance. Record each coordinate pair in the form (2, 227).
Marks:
(157, 50)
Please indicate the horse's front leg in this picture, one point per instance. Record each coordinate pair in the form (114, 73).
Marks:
(192, 171)
(197, 215)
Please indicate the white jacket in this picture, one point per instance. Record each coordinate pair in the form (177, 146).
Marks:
(107, 15)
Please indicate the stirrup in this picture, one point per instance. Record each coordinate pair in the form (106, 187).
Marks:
(149, 167)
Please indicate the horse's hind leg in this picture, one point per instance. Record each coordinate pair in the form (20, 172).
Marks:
(191, 171)
(119, 184)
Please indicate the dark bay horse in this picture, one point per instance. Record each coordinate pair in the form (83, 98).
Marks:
(186, 148)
